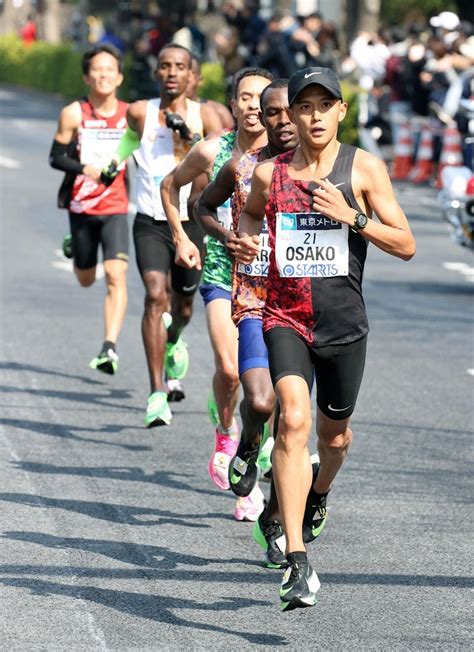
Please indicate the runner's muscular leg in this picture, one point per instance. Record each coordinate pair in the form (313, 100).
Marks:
(115, 303)
(334, 440)
(258, 402)
(223, 336)
(153, 330)
(292, 471)
(181, 311)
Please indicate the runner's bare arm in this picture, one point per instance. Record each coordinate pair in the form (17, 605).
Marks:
(213, 196)
(251, 217)
(69, 122)
(225, 115)
(392, 232)
(198, 161)
(136, 114)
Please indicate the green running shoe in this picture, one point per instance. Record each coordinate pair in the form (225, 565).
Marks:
(106, 361)
(264, 459)
(212, 409)
(167, 319)
(158, 412)
(316, 512)
(271, 538)
(176, 360)
(300, 583)
(67, 245)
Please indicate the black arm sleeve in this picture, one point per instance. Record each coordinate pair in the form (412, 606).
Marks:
(60, 158)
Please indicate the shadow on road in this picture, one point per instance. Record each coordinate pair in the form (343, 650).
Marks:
(159, 608)
(80, 397)
(17, 366)
(65, 431)
(126, 473)
(128, 514)
(139, 554)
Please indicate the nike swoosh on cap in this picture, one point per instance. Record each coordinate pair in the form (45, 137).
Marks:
(310, 74)
(338, 409)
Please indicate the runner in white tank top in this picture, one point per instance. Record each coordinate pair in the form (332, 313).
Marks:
(166, 128)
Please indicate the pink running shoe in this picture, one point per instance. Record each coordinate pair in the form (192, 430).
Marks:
(249, 508)
(224, 450)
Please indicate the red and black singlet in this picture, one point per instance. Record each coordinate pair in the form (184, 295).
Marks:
(316, 264)
(98, 138)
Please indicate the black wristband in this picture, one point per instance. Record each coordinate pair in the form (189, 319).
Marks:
(60, 158)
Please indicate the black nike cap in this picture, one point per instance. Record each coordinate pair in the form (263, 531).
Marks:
(324, 77)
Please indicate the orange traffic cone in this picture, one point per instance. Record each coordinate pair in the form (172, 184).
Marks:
(403, 153)
(451, 152)
(423, 170)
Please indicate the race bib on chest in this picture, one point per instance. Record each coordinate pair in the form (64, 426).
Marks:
(311, 245)
(98, 146)
(259, 266)
(224, 215)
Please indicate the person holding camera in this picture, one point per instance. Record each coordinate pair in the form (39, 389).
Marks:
(162, 131)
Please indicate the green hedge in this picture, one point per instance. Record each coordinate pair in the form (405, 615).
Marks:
(57, 69)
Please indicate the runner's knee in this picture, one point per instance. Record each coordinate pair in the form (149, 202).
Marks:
(260, 401)
(86, 277)
(335, 443)
(156, 299)
(228, 373)
(294, 424)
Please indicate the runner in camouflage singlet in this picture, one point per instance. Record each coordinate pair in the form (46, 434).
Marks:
(206, 159)
(249, 291)
(217, 268)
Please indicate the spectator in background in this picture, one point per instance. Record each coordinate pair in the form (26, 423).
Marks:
(438, 72)
(28, 32)
(249, 26)
(191, 37)
(447, 26)
(109, 36)
(370, 53)
(273, 52)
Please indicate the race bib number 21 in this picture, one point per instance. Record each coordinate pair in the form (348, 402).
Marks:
(311, 244)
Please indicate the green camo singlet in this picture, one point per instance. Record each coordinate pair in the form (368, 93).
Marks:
(217, 265)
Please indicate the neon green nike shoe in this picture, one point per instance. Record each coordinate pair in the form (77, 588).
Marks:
(264, 459)
(212, 409)
(67, 245)
(176, 360)
(107, 362)
(158, 412)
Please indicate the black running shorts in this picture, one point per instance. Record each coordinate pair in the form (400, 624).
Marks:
(338, 368)
(90, 231)
(155, 251)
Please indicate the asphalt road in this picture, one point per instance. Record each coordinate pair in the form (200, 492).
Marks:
(114, 538)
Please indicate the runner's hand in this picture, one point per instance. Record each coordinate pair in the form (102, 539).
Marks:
(92, 172)
(246, 248)
(231, 243)
(187, 254)
(330, 201)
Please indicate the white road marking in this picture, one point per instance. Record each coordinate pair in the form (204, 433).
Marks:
(10, 163)
(463, 268)
(66, 265)
(470, 372)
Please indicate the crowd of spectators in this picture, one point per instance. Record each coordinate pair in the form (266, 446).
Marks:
(404, 70)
